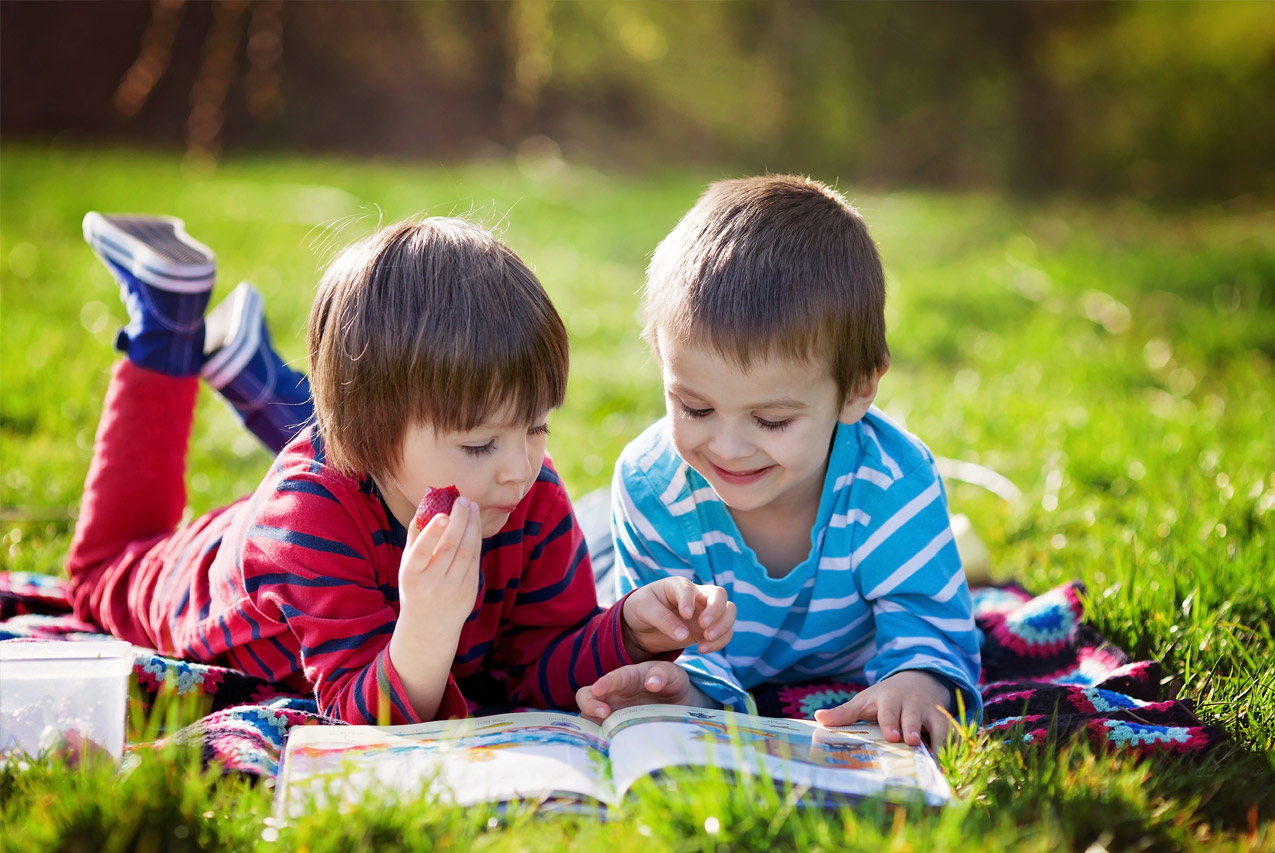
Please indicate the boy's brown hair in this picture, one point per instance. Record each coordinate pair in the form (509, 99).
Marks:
(432, 322)
(777, 265)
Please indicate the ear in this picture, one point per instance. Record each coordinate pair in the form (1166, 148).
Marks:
(856, 405)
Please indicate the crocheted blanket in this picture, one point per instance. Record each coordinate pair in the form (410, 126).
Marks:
(1045, 674)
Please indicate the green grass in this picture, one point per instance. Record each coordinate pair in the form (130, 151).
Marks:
(1114, 362)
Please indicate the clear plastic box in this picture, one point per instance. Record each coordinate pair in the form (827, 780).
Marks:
(64, 697)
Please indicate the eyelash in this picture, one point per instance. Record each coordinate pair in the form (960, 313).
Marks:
(774, 426)
(490, 447)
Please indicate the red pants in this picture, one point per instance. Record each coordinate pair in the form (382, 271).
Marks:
(134, 497)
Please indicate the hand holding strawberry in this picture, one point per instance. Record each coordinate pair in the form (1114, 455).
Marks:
(438, 575)
(437, 588)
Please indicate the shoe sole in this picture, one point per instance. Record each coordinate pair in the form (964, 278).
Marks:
(155, 249)
(246, 309)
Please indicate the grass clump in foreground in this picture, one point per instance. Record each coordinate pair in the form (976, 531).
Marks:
(1113, 362)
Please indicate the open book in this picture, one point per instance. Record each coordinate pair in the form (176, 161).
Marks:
(564, 762)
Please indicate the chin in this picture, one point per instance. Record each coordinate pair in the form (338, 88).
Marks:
(739, 499)
(493, 526)
(745, 506)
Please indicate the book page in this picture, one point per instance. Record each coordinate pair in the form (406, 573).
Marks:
(524, 756)
(854, 761)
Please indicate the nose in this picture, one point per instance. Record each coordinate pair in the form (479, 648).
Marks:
(729, 441)
(517, 464)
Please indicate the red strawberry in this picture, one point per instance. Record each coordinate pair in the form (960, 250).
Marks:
(434, 502)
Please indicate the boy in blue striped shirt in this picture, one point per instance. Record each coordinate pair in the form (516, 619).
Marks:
(775, 477)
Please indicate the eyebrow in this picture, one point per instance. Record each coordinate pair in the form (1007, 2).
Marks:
(776, 403)
(779, 403)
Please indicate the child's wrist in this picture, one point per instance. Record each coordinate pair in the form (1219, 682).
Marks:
(632, 647)
(433, 627)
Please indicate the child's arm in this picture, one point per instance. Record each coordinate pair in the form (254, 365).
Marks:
(437, 584)
(555, 639)
(309, 561)
(643, 556)
(908, 569)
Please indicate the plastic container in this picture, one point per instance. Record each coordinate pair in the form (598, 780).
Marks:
(64, 697)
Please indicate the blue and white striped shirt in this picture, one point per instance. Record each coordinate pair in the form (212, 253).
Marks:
(882, 589)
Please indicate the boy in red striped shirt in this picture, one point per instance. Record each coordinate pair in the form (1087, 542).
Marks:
(435, 359)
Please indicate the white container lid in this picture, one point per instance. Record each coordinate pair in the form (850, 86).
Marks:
(40, 650)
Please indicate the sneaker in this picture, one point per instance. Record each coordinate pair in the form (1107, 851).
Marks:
(270, 398)
(165, 279)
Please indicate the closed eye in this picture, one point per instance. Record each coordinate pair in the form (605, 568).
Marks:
(542, 429)
(772, 425)
(695, 413)
(480, 450)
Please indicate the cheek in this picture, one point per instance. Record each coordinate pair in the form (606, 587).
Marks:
(471, 474)
(788, 452)
(683, 435)
(800, 449)
(536, 450)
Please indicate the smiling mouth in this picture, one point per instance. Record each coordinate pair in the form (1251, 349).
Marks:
(740, 476)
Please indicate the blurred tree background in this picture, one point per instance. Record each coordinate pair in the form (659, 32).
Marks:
(1158, 101)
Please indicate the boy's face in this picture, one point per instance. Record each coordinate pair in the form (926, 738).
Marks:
(759, 437)
(494, 465)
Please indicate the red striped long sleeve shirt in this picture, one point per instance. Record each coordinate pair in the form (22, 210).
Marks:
(298, 582)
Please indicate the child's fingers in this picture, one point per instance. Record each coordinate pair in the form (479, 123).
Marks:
(939, 728)
(625, 681)
(832, 717)
(713, 600)
(471, 542)
(719, 633)
(848, 713)
(889, 710)
(666, 680)
(590, 706)
(910, 719)
(444, 553)
(684, 593)
(718, 641)
(422, 543)
(654, 611)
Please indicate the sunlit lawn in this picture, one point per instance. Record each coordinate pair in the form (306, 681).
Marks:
(1113, 361)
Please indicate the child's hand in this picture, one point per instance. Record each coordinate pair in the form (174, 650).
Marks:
(648, 683)
(438, 575)
(437, 588)
(673, 613)
(903, 705)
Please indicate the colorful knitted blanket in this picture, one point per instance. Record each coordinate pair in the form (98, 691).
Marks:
(1045, 674)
